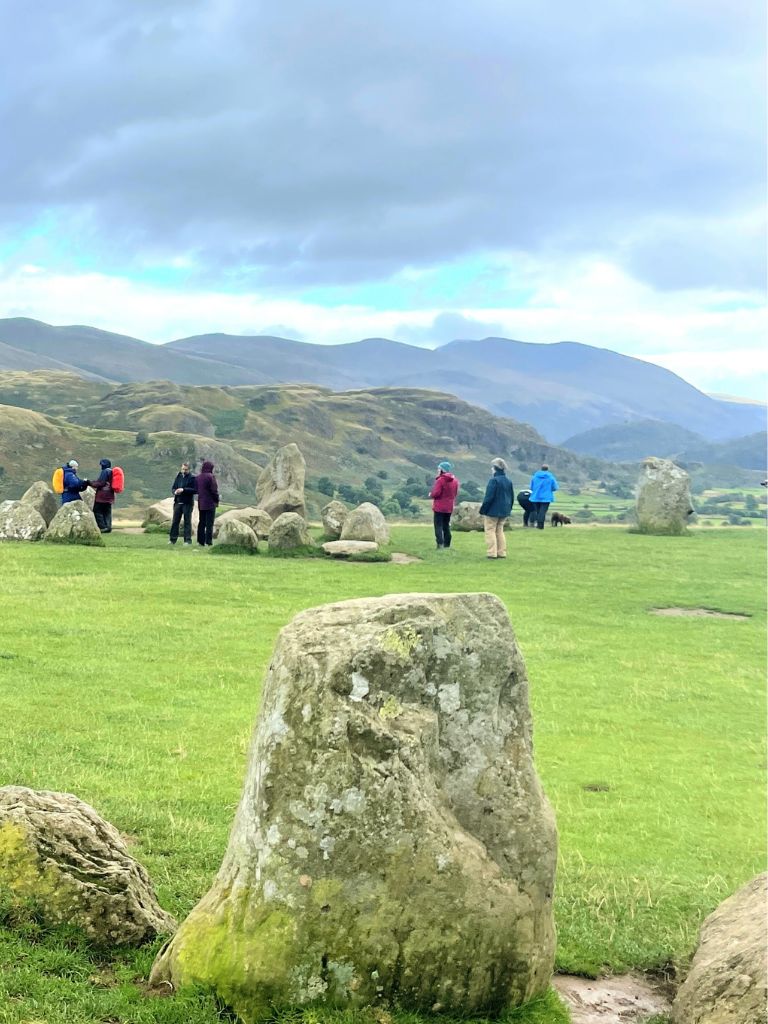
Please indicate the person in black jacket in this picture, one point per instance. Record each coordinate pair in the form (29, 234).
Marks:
(183, 490)
(525, 503)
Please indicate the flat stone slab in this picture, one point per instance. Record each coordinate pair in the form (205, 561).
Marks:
(621, 999)
(344, 548)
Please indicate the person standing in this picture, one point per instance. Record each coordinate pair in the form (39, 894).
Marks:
(443, 495)
(183, 489)
(104, 498)
(73, 485)
(543, 487)
(207, 500)
(496, 506)
(524, 501)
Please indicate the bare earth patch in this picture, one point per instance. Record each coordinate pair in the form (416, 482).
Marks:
(696, 613)
(622, 999)
(128, 529)
(399, 558)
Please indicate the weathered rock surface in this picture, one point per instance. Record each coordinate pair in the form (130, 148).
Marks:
(728, 980)
(60, 857)
(345, 548)
(289, 531)
(238, 536)
(161, 514)
(280, 487)
(393, 842)
(74, 523)
(466, 518)
(20, 522)
(663, 498)
(40, 496)
(258, 520)
(88, 497)
(333, 516)
(366, 522)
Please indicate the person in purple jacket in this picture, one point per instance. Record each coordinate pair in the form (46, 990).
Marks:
(207, 500)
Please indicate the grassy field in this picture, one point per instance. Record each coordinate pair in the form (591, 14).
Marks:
(130, 676)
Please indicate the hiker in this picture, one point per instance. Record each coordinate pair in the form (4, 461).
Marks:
(443, 495)
(525, 503)
(104, 497)
(73, 485)
(207, 500)
(183, 489)
(496, 506)
(543, 487)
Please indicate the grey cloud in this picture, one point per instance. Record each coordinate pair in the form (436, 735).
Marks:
(285, 144)
(447, 327)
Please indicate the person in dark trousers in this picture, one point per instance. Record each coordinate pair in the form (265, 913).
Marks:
(73, 485)
(183, 489)
(543, 487)
(496, 506)
(443, 495)
(104, 498)
(525, 503)
(207, 500)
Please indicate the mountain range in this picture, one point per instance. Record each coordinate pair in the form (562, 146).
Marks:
(561, 389)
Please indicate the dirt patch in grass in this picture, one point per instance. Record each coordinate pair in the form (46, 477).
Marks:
(128, 529)
(696, 613)
(621, 999)
(400, 558)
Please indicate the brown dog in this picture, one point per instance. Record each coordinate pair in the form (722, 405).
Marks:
(558, 519)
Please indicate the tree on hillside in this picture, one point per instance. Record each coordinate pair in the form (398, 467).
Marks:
(326, 486)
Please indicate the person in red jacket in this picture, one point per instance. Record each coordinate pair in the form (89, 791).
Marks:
(443, 495)
(207, 500)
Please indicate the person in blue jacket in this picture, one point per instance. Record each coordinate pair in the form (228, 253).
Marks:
(496, 506)
(543, 487)
(73, 485)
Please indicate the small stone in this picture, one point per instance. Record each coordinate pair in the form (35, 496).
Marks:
(345, 548)
(20, 522)
(235, 535)
(289, 531)
(366, 522)
(161, 514)
(258, 520)
(40, 496)
(305, 881)
(333, 516)
(74, 523)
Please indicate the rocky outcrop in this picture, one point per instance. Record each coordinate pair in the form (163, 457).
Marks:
(280, 487)
(366, 522)
(288, 532)
(74, 523)
(333, 516)
(20, 522)
(61, 860)
(40, 496)
(727, 982)
(345, 548)
(392, 843)
(160, 515)
(258, 520)
(663, 498)
(236, 537)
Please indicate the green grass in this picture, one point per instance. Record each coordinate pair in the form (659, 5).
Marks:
(130, 676)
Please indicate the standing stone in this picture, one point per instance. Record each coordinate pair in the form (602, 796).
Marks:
(59, 858)
(74, 523)
(289, 531)
(663, 498)
(161, 514)
(258, 520)
(392, 843)
(333, 516)
(40, 496)
(280, 487)
(728, 980)
(236, 536)
(20, 522)
(88, 497)
(365, 522)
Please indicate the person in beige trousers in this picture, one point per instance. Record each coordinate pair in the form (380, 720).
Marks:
(496, 507)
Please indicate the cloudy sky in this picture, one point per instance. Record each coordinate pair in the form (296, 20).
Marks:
(419, 170)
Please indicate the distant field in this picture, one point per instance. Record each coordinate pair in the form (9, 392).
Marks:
(130, 676)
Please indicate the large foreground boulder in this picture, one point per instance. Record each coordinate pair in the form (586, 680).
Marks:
(333, 516)
(20, 522)
(288, 532)
(366, 522)
(75, 523)
(160, 515)
(728, 980)
(236, 537)
(40, 496)
(258, 520)
(663, 498)
(280, 487)
(393, 843)
(59, 858)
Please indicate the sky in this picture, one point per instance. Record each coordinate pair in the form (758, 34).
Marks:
(423, 171)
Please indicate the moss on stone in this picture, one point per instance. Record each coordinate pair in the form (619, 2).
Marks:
(25, 883)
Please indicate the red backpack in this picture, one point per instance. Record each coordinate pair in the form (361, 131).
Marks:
(118, 479)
